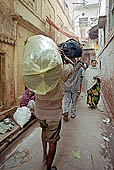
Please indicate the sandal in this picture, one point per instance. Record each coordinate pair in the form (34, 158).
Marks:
(65, 116)
(53, 168)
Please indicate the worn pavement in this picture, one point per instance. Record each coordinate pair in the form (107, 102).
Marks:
(81, 147)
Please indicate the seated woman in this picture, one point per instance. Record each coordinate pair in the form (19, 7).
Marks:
(28, 100)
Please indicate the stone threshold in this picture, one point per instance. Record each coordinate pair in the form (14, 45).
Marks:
(11, 136)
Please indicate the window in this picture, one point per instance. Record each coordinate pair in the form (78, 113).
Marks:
(93, 21)
(100, 65)
(30, 3)
(83, 22)
(65, 4)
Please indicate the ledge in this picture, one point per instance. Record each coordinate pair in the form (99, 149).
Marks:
(8, 112)
(11, 136)
(7, 40)
(110, 39)
(21, 21)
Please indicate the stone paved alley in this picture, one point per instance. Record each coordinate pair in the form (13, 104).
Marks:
(82, 135)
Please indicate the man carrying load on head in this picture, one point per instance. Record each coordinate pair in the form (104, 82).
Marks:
(45, 74)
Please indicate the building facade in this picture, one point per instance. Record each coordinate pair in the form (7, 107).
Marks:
(106, 52)
(85, 16)
(20, 19)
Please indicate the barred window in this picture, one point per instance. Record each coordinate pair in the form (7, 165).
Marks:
(83, 21)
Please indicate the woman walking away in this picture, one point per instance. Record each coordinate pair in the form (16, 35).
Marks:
(92, 78)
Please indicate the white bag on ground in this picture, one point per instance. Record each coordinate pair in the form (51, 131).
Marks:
(101, 106)
(22, 116)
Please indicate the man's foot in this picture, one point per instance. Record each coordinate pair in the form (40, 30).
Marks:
(53, 168)
(65, 116)
(73, 116)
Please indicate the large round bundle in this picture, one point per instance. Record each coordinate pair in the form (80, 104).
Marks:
(71, 48)
(42, 64)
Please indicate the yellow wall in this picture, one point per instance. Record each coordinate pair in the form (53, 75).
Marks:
(8, 70)
(60, 20)
(29, 15)
(27, 20)
(22, 34)
(43, 8)
(37, 16)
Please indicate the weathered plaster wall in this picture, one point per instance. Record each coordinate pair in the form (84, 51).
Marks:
(20, 19)
(7, 26)
(107, 68)
(22, 34)
(8, 71)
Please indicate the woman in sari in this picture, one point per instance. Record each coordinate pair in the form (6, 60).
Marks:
(93, 80)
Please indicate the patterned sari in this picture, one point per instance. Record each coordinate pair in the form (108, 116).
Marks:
(93, 95)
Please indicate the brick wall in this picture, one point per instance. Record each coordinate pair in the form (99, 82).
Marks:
(108, 93)
(107, 69)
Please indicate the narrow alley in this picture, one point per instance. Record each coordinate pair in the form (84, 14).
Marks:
(81, 147)
(53, 51)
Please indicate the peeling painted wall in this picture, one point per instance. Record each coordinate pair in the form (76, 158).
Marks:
(107, 68)
(22, 34)
(20, 19)
(7, 26)
(106, 55)
(8, 71)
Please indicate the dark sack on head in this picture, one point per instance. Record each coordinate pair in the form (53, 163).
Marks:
(71, 48)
